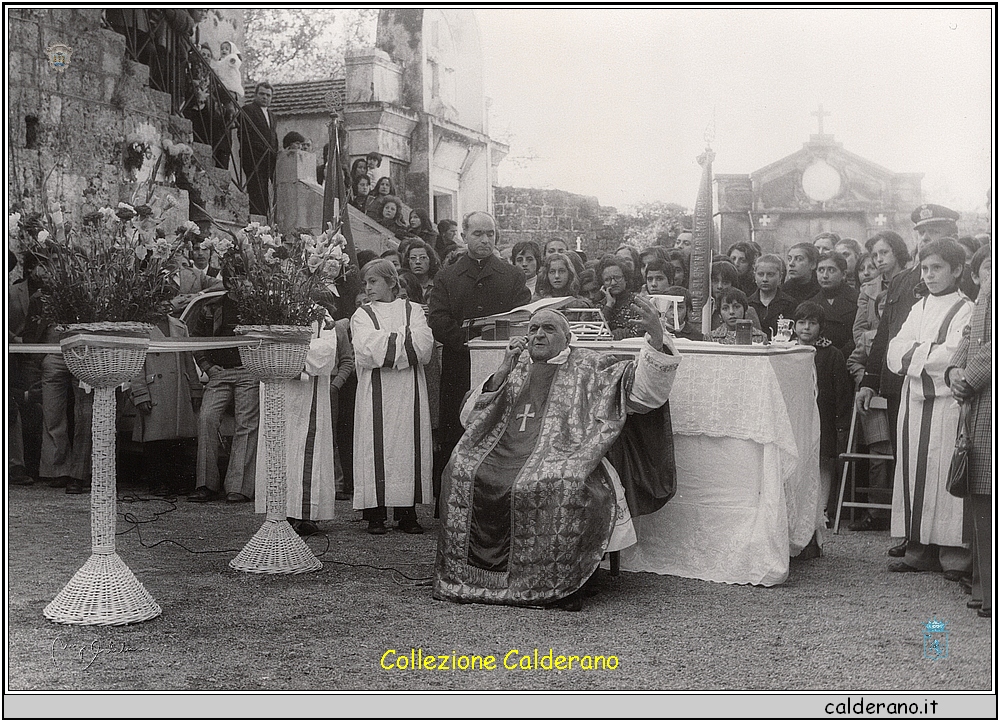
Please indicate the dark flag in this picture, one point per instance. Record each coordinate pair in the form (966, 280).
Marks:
(702, 243)
(335, 192)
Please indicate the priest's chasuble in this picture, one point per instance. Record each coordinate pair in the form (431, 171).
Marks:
(922, 509)
(527, 507)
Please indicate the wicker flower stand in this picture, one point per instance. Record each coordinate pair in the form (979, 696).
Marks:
(280, 355)
(104, 591)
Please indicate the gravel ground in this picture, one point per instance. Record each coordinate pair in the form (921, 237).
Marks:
(841, 622)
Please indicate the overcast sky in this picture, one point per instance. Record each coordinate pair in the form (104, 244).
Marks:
(616, 103)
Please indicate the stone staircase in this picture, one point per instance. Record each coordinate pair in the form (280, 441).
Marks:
(68, 127)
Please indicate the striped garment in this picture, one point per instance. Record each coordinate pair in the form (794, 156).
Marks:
(392, 425)
(922, 510)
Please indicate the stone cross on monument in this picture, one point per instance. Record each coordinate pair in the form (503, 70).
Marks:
(820, 114)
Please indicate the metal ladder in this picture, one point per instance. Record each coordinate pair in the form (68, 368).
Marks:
(848, 458)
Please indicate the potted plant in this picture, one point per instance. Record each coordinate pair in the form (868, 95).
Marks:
(104, 284)
(277, 288)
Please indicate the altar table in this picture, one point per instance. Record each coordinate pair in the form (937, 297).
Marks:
(746, 445)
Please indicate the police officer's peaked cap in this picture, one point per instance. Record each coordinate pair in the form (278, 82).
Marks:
(933, 213)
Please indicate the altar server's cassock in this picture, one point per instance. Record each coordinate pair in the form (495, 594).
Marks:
(309, 455)
(392, 422)
(528, 507)
(922, 510)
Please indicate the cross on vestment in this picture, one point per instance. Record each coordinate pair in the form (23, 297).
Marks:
(820, 114)
(765, 220)
(880, 219)
(525, 415)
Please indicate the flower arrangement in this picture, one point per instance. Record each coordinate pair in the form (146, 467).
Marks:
(115, 268)
(176, 157)
(280, 283)
(139, 148)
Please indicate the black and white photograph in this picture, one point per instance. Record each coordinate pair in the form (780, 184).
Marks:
(566, 361)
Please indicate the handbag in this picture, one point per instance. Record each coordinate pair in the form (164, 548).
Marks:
(958, 473)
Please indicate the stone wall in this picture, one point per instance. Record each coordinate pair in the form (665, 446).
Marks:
(67, 130)
(531, 214)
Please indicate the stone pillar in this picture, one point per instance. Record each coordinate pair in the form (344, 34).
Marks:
(300, 198)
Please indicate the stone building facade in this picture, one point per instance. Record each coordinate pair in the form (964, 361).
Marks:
(69, 126)
(822, 187)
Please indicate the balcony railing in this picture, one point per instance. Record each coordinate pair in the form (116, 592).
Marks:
(160, 39)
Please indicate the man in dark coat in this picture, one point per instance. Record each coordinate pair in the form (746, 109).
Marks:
(931, 222)
(478, 284)
(258, 148)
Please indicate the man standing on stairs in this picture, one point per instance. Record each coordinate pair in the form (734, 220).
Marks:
(258, 150)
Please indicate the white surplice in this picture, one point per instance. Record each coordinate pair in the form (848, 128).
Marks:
(392, 424)
(922, 509)
(309, 437)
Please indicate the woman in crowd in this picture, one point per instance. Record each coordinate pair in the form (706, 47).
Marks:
(383, 187)
(448, 239)
(359, 168)
(527, 256)
(851, 252)
(359, 192)
(422, 226)
(889, 256)
(421, 260)
(555, 245)
(743, 256)
(392, 440)
(623, 320)
(866, 271)
(384, 210)
(633, 264)
(679, 261)
(558, 279)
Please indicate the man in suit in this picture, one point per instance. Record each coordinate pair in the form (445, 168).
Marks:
(477, 284)
(259, 148)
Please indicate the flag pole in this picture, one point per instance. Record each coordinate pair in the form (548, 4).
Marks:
(702, 245)
(335, 193)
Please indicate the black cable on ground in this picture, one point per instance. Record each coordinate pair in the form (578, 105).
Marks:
(135, 522)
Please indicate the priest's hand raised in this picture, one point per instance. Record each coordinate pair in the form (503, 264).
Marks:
(651, 322)
(514, 349)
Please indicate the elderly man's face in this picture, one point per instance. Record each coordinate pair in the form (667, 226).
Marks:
(548, 335)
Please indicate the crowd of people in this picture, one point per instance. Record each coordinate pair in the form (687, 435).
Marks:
(378, 410)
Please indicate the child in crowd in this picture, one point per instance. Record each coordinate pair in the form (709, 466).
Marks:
(725, 276)
(393, 258)
(658, 275)
(687, 329)
(769, 301)
(867, 270)
(732, 308)
(834, 397)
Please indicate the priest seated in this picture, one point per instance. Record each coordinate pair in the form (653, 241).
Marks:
(530, 504)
